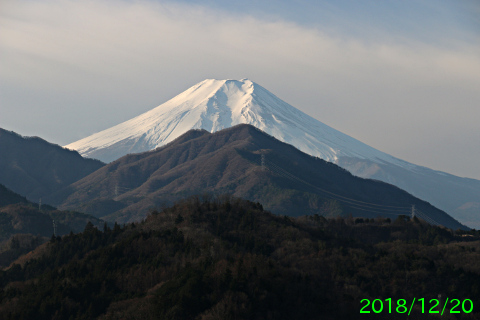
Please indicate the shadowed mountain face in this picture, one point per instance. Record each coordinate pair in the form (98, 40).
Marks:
(7, 197)
(242, 161)
(35, 168)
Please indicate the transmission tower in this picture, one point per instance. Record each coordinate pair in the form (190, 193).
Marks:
(413, 211)
(263, 162)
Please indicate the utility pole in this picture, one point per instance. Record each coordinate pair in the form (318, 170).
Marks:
(413, 211)
(40, 205)
(263, 162)
(54, 229)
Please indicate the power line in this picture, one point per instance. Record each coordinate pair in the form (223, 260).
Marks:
(351, 202)
(370, 210)
(427, 218)
(355, 204)
(348, 200)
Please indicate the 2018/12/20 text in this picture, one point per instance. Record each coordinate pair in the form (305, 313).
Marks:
(432, 306)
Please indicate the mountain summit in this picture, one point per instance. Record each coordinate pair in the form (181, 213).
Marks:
(214, 105)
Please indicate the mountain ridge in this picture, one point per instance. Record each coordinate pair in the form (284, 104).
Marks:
(216, 104)
(35, 168)
(243, 161)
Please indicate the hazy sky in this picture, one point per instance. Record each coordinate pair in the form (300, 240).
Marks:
(402, 76)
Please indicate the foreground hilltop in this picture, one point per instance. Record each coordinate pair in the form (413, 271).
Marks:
(227, 258)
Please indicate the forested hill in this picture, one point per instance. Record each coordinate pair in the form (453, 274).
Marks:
(18, 215)
(35, 168)
(24, 224)
(242, 161)
(227, 258)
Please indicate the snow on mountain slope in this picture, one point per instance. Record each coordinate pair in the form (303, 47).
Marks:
(217, 104)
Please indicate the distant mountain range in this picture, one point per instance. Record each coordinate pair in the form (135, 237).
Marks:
(242, 161)
(35, 168)
(214, 105)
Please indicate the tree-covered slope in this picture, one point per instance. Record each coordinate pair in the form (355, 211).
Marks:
(242, 161)
(24, 224)
(226, 258)
(18, 215)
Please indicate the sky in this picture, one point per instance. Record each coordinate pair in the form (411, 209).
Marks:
(401, 76)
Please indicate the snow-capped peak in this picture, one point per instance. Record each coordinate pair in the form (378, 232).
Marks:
(214, 105)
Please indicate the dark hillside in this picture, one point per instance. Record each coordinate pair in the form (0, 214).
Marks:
(7, 197)
(286, 181)
(18, 215)
(35, 168)
(23, 226)
(227, 258)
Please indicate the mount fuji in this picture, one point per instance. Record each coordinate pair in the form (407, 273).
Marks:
(214, 105)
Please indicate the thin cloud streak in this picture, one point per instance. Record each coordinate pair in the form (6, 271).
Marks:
(90, 65)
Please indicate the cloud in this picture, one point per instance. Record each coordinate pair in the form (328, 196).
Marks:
(117, 39)
(116, 59)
